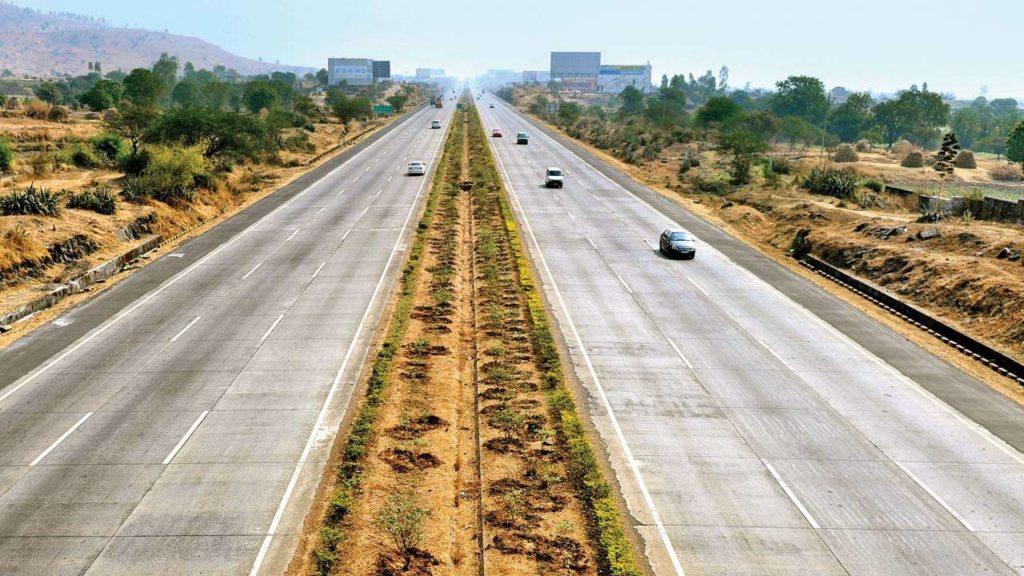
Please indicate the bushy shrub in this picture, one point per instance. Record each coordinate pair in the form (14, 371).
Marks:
(845, 153)
(840, 184)
(79, 155)
(781, 166)
(31, 200)
(966, 160)
(100, 200)
(874, 185)
(863, 145)
(913, 160)
(57, 114)
(135, 164)
(6, 156)
(134, 190)
(110, 147)
(172, 172)
(1006, 173)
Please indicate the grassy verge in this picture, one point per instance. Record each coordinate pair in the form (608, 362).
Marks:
(615, 551)
(364, 427)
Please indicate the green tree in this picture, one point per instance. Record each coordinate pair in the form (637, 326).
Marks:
(801, 96)
(185, 94)
(569, 112)
(916, 115)
(104, 94)
(166, 71)
(667, 109)
(47, 92)
(1015, 144)
(321, 77)
(632, 101)
(717, 111)
(217, 132)
(743, 146)
(259, 95)
(348, 108)
(397, 101)
(142, 87)
(795, 130)
(131, 122)
(849, 119)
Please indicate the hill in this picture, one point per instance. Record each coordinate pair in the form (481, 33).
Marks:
(55, 44)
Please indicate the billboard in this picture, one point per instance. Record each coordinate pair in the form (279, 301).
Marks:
(352, 71)
(613, 79)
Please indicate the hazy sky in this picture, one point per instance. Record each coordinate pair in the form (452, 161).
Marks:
(882, 45)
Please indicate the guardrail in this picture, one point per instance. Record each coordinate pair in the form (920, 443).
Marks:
(968, 345)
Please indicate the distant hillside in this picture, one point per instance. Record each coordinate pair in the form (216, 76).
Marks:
(54, 44)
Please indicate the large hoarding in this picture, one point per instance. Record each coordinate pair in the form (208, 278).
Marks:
(615, 78)
(352, 71)
(576, 70)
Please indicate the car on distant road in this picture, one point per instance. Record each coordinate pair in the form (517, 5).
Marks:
(496, 133)
(522, 138)
(678, 244)
(417, 168)
(491, 106)
(435, 124)
(553, 177)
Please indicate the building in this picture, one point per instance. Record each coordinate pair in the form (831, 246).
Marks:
(536, 76)
(351, 71)
(576, 70)
(613, 78)
(381, 70)
(428, 74)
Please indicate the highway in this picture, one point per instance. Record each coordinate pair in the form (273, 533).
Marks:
(178, 423)
(756, 424)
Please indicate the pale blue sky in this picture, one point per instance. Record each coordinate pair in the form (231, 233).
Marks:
(861, 44)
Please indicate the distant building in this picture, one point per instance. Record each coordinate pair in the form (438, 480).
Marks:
(614, 78)
(351, 71)
(576, 70)
(381, 70)
(497, 78)
(536, 76)
(428, 74)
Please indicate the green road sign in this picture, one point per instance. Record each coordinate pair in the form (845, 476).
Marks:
(383, 109)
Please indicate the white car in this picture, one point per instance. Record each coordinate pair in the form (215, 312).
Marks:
(553, 178)
(417, 168)
(435, 124)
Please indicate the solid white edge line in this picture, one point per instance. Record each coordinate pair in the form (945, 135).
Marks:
(185, 329)
(61, 439)
(937, 498)
(271, 329)
(72, 348)
(188, 434)
(283, 504)
(796, 501)
(620, 436)
(680, 353)
(318, 269)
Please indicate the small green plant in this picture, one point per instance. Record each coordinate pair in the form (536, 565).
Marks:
(6, 156)
(31, 200)
(100, 200)
(111, 148)
(875, 185)
(509, 421)
(402, 520)
(840, 184)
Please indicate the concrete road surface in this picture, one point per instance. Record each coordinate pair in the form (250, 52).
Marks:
(756, 424)
(177, 424)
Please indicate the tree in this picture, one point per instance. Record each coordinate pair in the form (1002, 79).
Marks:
(743, 146)
(166, 71)
(142, 87)
(132, 121)
(347, 108)
(185, 94)
(218, 132)
(763, 124)
(848, 120)
(668, 109)
(259, 95)
(104, 94)
(632, 101)
(1015, 144)
(47, 92)
(397, 101)
(801, 96)
(916, 115)
(717, 111)
(321, 77)
(402, 520)
(795, 129)
(569, 112)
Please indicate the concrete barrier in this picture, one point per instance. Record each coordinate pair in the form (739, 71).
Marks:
(966, 344)
(986, 208)
(80, 283)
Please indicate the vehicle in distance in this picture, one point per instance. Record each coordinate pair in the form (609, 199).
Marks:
(553, 178)
(522, 138)
(678, 244)
(496, 133)
(435, 124)
(492, 105)
(417, 168)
